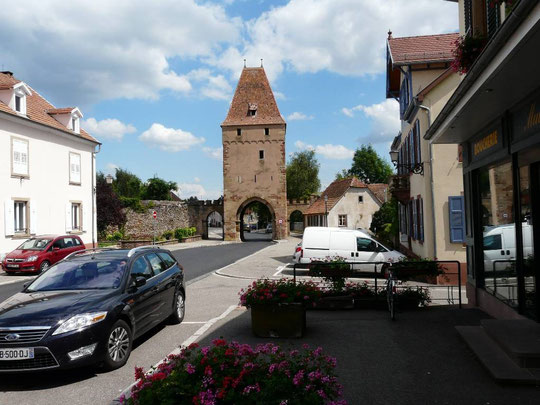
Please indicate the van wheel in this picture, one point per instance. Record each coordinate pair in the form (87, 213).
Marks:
(44, 266)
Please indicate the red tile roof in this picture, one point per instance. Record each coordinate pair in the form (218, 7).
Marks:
(334, 191)
(37, 109)
(379, 190)
(66, 110)
(422, 49)
(253, 90)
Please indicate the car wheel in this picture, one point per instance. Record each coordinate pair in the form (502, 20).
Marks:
(44, 266)
(118, 345)
(179, 308)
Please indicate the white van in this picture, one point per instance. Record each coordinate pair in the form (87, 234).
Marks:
(500, 244)
(353, 245)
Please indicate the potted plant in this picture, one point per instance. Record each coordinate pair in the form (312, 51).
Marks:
(467, 48)
(278, 307)
(333, 270)
(234, 373)
(411, 298)
(418, 269)
(364, 296)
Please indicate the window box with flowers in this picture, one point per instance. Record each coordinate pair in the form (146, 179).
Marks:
(467, 48)
(333, 270)
(233, 373)
(278, 307)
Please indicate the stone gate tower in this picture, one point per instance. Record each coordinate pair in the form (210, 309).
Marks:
(254, 154)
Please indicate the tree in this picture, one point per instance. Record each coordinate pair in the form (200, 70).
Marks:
(385, 222)
(303, 175)
(108, 206)
(127, 184)
(158, 189)
(368, 166)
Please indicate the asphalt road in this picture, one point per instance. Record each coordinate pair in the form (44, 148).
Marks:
(197, 262)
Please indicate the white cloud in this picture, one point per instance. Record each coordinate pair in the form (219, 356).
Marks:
(196, 180)
(329, 151)
(186, 190)
(216, 86)
(384, 117)
(109, 128)
(111, 168)
(169, 139)
(298, 116)
(103, 49)
(214, 153)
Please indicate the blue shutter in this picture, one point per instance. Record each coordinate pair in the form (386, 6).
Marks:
(456, 210)
(419, 139)
(421, 219)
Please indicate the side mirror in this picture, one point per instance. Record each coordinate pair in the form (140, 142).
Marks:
(24, 286)
(140, 281)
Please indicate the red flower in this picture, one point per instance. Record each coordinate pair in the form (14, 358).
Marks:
(219, 342)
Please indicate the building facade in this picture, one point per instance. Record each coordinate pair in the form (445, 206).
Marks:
(428, 184)
(494, 115)
(253, 135)
(347, 203)
(47, 168)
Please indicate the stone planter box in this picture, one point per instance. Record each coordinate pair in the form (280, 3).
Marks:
(335, 302)
(130, 244)
(278, 320)
(193, 238)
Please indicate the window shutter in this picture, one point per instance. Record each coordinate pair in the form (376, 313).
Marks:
(33, 218)
(415, 219)
(81, 222)
(456, 208)
(9, 215)
(418, 142)
(68, 217)
(468, 16)
(421, 219)
(20, 157)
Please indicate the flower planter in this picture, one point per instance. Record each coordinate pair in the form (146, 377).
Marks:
(335, 302)
(370, 303)
(408, 303)
(287, 320)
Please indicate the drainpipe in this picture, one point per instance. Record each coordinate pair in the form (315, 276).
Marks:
(428, 110)
(94, 153)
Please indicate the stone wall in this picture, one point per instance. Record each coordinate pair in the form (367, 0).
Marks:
(170, 215)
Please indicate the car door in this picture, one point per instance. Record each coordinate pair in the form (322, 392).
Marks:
(142, 299)
(367, 251)
(56, 250)
(165, 284)
(493, 246)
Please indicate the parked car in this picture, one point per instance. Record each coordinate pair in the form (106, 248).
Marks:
(38, 253)
(246, 227)
(499, 244)
(268, 228)
(353, 245)
(88, 309)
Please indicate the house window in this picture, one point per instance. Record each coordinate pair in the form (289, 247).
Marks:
(76, 217)
(342, 220)
(238, 131)
(267, 131)
(74, 168)
(20, 217)
(19, 157)
(252, 113)
(261, 154)
(360, 198)
(74, 126)
(18, 103)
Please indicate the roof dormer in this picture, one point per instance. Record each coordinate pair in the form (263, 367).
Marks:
(14, 95)
(69, 117)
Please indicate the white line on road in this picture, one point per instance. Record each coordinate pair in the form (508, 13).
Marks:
(218, 271)
(279, 270)
(16, 280)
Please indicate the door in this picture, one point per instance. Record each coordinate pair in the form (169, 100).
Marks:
(164, 284)
(368, 251)
(143, 299)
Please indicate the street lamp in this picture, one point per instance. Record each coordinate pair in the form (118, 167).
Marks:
(417, 168)
(109, 179)
(326, 209)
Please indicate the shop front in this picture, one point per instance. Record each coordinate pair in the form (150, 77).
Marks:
(502, 193)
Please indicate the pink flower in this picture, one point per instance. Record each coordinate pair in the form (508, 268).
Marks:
(189, 368)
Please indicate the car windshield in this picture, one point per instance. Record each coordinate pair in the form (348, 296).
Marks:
(81, 275)
(35, 244)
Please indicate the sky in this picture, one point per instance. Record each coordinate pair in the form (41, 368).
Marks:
(154, 79)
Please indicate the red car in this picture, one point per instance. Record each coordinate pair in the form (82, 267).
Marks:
(40, 252)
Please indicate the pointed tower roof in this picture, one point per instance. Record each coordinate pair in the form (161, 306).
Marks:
(253, 102)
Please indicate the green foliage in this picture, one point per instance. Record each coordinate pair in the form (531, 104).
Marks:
(108, 206)
(127, 184)
(116, 236)
(333, 270)
(385, 222)
(158, 189)
(167, 235)
(234, 373)
(181, 233)
(303, 175)
(368, 167)
(264, 216)
(133, 203)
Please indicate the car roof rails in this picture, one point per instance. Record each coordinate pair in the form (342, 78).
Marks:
(138, 248)
(88, 250)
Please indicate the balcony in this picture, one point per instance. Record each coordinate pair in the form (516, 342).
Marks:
(400, 187)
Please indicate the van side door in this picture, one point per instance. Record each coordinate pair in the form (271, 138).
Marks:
(368, 250)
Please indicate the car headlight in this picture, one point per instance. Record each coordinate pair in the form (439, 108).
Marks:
(31, 259)
(80, 321)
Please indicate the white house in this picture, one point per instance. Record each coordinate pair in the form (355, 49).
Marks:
(47, 168)
(347, 203)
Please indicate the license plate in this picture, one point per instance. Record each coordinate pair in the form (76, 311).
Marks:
(12, 266)
(19, 353)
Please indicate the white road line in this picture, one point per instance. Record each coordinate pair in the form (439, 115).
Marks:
(16, 280)
(279, 270)
(187, 342)
(192, 323)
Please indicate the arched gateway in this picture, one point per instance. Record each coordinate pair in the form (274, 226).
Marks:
(253, 137)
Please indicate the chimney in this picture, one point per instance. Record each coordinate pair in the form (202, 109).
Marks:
(7, 72)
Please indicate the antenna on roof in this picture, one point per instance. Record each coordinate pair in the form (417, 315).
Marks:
(261, 63)
(244, 63)
(389, 34)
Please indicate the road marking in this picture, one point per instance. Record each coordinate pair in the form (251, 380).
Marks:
(16, 280)
(207, 325)
(192, 323)
(279, 270)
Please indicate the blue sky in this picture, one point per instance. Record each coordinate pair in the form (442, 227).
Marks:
(154, 79)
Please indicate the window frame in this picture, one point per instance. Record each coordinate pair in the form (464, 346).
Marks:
(261, 154)
(340, 222)
(13, 172)
(71, 180)
(78, 204)
(26, 217)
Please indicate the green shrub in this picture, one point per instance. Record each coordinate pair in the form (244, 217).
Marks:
(133, 203)
(116, 236)
(168, 235)
(180, 233)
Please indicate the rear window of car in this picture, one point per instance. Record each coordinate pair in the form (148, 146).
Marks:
(157, 264)
(167, 259)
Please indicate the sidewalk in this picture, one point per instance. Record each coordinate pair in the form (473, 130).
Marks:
(417, 359)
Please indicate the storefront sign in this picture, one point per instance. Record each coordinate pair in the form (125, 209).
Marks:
(526, 120)
(487, 142)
